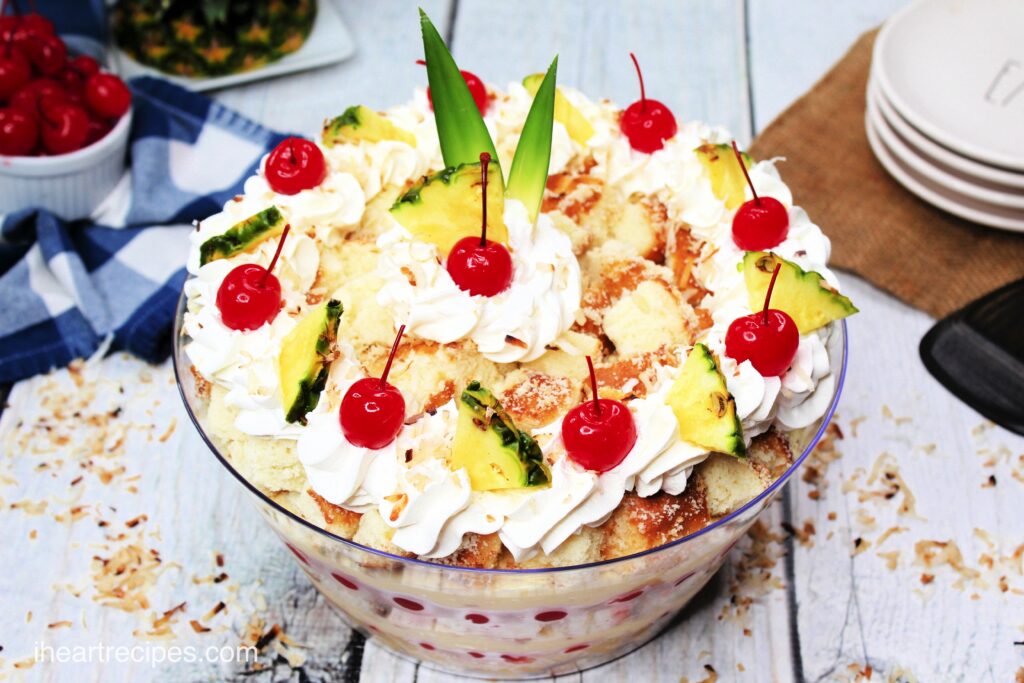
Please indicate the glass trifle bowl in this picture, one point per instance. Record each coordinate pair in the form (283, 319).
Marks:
(509, 623)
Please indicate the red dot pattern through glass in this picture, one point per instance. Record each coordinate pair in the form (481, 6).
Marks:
(618, 610)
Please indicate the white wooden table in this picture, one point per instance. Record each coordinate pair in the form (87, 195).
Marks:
(851, 595)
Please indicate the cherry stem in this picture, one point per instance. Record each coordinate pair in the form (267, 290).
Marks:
(277, 253)
(643, 92)
(768, 294)
(391, 356)
(485, 160)
(743, 167)
(593, 385)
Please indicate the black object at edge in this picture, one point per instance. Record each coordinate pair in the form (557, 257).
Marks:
(991, 330)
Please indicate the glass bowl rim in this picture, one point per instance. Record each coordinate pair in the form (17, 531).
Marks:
(774, 486)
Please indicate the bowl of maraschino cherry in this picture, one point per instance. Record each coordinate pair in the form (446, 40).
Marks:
(64, 121)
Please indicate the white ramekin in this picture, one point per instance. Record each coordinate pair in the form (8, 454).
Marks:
(70, 185)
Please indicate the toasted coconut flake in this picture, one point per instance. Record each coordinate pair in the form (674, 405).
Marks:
(135, 521)
(268, 637)
(889, 532)
(197, 627)
(892, 559)
(169, 431)
(124, 579)
(215, 610)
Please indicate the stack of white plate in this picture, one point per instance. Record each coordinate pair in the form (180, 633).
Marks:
(945, 106)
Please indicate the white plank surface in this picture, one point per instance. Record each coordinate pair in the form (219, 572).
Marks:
(848, 611)
(793, 42)
(692, 54)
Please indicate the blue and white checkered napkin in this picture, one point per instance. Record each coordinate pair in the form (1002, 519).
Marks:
(65, 287)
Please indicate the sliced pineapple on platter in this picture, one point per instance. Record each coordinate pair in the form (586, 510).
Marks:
(210, 38)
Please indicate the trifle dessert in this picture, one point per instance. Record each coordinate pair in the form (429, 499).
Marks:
(488, 357)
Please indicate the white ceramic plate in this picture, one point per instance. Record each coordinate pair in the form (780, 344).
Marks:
(941, 155)
(928, 168)
(945, 199)
(329, 42)
(955, 70)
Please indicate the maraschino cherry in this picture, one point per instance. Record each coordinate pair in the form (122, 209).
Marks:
(647, 123)
(768, 338)
(18, 133)
(8, 23)
(479, 265)
(31, 26)
(250, 295)
(48, 53)
(373, 411)
(29, 96)
(84, 65)
(760, 223)
(476, 88)
(108, 96)
(15, 70)
(63, 127)
(598, 434)
(295, 165)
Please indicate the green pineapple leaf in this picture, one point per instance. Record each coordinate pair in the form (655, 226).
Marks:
(529, 174)
(460, 127)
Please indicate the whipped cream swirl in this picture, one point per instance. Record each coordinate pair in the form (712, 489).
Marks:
(245, 362)
(515, 325)
(803, 393)
(432, 507)
(338, 470)
(659, 460)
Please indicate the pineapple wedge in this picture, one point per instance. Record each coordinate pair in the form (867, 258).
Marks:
(727, 181)
(703, 406)
(495, 454)
(446, 206)
(243, 236)
(362, 123)
(566, 113)
(305, 360)
(808, 299)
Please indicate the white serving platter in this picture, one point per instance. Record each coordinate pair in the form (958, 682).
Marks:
(955, 70)
(329, 42)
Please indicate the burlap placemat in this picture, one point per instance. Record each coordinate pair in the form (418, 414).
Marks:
(926, 257)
